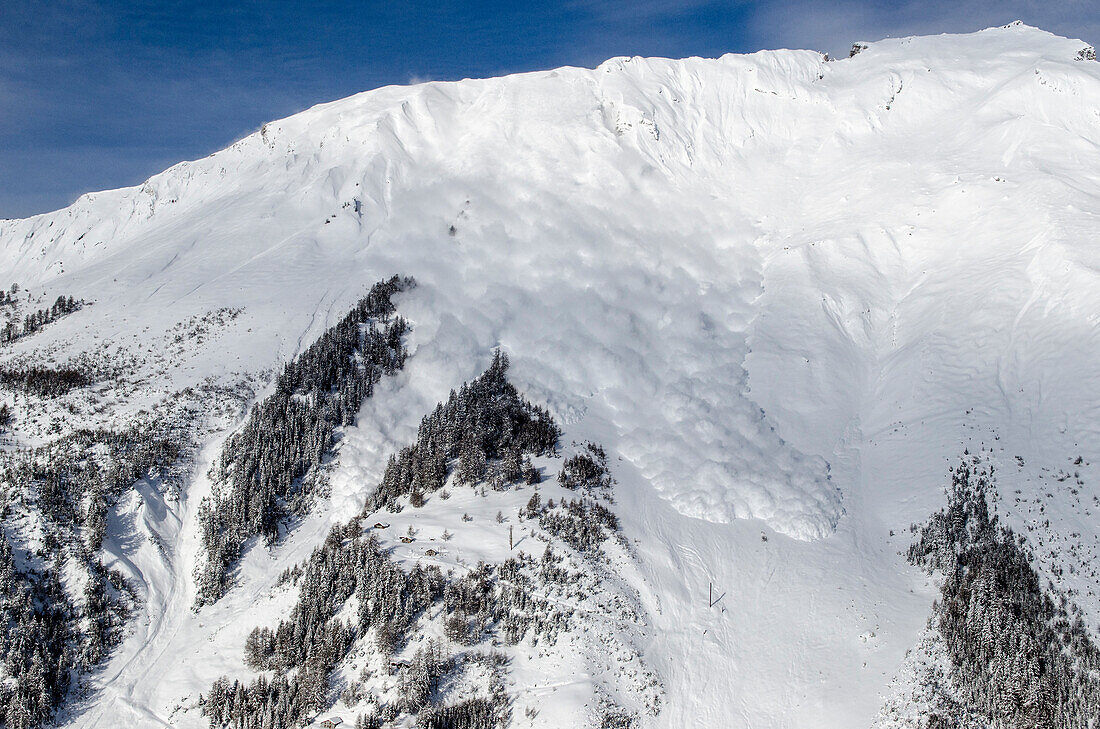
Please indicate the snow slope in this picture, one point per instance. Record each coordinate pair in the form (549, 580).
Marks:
(784, 292)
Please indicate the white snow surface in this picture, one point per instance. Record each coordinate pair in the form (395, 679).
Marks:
(784, 292)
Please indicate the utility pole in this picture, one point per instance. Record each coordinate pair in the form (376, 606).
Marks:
(509, 537)
(710, 595)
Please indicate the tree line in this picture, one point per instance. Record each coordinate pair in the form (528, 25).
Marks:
(273, 465)
(485, 422)
(486, 431)
(35, 320)
(44, 381)
(1019, 658)
(49, 636)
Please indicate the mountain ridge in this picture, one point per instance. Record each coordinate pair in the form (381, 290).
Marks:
(784, 293)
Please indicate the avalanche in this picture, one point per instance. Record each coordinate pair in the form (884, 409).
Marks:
(784, 293)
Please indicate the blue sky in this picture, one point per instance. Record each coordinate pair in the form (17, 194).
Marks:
(97, 95)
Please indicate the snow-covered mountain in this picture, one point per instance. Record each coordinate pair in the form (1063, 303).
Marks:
(784, 293)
